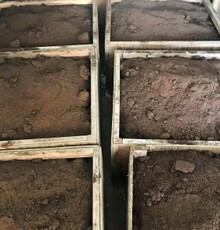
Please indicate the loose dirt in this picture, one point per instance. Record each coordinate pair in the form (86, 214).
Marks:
(46, 195)
(161, 21)
(44, 97)
(170, 98)
(177, 190)
(31, 26)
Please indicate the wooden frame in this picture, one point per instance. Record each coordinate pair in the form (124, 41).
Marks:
(120, 146)
(111, 46)
(135, 152)
(93, 138)
(95, 34)
(93, 152)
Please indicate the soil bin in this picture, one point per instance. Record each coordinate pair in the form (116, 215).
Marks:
(164, 98)
(168, 25)
(48, 98)
(34, 24)
(174, 190)
(52, 194)
(161, 21)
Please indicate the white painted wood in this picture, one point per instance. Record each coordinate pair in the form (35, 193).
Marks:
(216, 4)
(93, 138)
(212, 13)
(130, 191)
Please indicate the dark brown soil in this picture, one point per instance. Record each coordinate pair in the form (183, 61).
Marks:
(30, 26)
(46, 195)
(44, 97)
(167, 198)
(161, 21)
(170, 98)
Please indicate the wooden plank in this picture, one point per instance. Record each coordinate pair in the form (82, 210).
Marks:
(7, 4)
(93, 138)
(47, 153)
(216, 4)
(116, 96)
(98, 215)
(212, 14)
(130, 191)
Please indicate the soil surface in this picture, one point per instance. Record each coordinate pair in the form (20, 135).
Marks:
(178, 190)
(46, 195)
(29, 26)
(170, 98)
(161, 21)
(44, 97)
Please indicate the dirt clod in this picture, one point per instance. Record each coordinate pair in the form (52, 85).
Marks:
(2, 61)
(27, 128)
(7, 223)
(15, 43)
(3, 25)
(84, 72)
(44, 202)
(184, 166)
(131, 102)
(83, 38)
(13, 79)
(83, 98)
(165, 136)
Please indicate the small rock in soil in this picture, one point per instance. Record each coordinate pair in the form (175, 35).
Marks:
(149, 202)
(132, 28)
(210, 139)
(84, 72)
(155, 196)
(4, 135)
(13, 79)
(131, 102)
(27, 128)
(83, 38)
(121, 67)
(7, 223)
(84, 98)
(137, 68)
(34, 112)
(3, 25)
(2, 61)
(36, 64)
(127, 74)
(150, 115)
(165, 135)
(184, 166)
(39, 34)
(15, 43)
(44, 202)
(33, 174)
(44, 29)
(54, 225)
(30, 34)
(188, 18)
